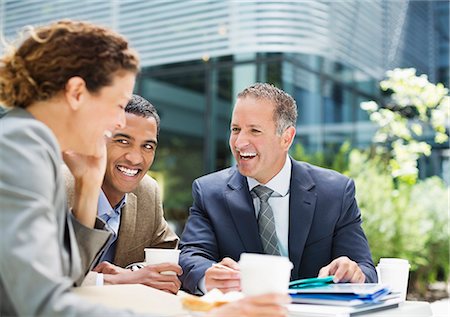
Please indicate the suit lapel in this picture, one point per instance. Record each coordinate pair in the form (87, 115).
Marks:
(240, 206)
(127, 226)
(302, 203)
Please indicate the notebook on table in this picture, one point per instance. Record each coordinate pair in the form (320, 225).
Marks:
(323, 297)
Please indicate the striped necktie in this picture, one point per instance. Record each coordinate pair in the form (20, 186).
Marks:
(266, 222)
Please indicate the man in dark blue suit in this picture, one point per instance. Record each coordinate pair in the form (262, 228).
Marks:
(311, 214)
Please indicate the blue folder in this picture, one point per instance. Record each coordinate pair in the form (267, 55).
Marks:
(366, 298)
(340, 294)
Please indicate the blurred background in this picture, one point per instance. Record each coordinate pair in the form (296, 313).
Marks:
(332, 57)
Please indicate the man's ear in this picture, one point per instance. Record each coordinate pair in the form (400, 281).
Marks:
(288, 137)
(75, 92)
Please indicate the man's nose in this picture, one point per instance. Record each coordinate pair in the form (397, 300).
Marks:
(241, 141)
(134, 156)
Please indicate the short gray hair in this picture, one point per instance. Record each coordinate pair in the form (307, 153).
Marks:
(285, 113)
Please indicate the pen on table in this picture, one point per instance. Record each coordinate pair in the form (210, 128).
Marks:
(220, 266)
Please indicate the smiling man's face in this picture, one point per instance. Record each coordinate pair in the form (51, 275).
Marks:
(259, 151)
(131, 151)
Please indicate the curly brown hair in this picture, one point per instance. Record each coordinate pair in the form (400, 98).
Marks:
(41, 66)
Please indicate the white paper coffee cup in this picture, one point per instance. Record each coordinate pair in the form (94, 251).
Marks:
(394, 273)
(262, 273)
(158, 256)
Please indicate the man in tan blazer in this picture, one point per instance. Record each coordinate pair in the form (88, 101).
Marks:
(130, 203)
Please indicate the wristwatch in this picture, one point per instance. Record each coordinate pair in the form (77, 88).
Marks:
(135, 266)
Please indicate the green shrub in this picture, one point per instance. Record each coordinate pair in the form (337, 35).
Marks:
(403, 216)
(403, 220)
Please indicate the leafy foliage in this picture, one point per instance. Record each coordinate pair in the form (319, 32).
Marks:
(415, 106)
(403, 216)
(403, 220)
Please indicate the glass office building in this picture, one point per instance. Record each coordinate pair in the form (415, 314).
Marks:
(198, 54)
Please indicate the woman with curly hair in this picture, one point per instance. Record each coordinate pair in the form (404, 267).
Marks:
(66, 86)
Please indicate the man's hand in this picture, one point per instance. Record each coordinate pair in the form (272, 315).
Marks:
(149, 275)
(224, 275)
(108, 268)
(269, 305)
(344, 270)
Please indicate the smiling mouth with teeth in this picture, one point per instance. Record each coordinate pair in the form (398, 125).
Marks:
(127, 171)
(247, 156)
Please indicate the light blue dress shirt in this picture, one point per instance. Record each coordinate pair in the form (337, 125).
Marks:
(111, 216)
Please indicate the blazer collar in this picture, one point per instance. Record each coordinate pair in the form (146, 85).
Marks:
(302, 204)
(301, 175)
(237, 180)
(242, 211)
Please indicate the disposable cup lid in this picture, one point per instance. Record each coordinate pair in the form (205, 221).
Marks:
(393, 261)
(263, 259)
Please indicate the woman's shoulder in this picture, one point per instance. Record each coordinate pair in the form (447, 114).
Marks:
(28, 143)
(19, 128)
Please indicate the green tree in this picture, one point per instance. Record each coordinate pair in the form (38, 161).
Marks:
(414, 106)
(402, 216)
